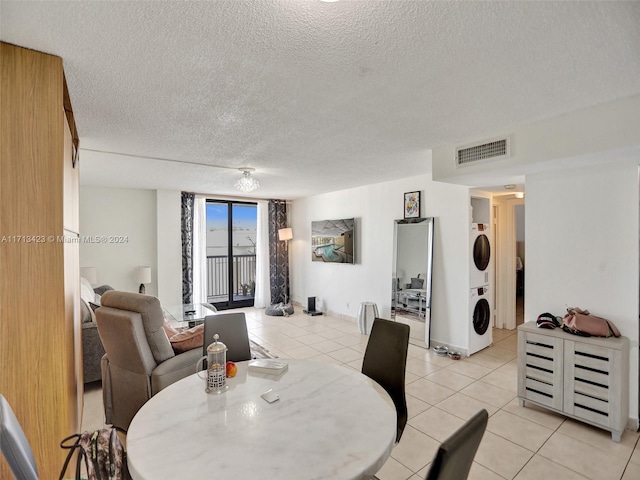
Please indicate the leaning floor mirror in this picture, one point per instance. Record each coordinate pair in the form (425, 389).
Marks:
(412, 272)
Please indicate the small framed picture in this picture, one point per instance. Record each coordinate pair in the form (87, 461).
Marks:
(412, 205)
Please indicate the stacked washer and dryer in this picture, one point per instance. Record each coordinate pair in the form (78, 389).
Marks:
(480, 278)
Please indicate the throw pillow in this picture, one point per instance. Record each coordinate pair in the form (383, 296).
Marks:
(188, 339)
(417, 282)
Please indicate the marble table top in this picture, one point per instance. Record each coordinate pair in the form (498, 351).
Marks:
(331, 422)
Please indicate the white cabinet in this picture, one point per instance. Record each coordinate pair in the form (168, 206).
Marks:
(585, 378)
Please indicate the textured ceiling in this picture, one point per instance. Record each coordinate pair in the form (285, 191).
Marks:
(316, 96)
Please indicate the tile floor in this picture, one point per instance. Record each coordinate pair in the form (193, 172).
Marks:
(520, 443)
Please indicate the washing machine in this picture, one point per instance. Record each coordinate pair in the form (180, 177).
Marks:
(480, 255)
(481, 319)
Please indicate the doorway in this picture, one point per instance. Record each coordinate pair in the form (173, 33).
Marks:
(231, 253)
(509, 214)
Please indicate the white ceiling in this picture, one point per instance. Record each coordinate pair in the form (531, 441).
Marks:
(316, 96)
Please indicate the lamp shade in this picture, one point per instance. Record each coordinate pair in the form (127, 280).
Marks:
(285, 234)
(90, 273)
(143, 275)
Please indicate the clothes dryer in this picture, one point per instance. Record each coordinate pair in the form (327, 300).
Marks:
(479, 267)
(481, 319)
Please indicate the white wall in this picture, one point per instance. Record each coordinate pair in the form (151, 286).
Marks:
(341, 287)
(570, 137)
(582, 248)
(119, 212)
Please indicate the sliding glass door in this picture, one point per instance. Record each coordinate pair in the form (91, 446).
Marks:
(231, 253)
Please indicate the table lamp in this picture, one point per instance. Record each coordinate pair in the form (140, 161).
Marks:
(143, 275)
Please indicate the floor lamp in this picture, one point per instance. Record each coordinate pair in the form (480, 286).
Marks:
(286, 234)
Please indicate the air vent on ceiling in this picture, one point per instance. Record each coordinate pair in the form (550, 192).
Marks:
(494, 150)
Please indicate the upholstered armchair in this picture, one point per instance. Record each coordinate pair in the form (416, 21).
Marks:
(139, 359)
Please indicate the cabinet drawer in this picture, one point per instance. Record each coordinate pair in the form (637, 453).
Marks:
(540, 362)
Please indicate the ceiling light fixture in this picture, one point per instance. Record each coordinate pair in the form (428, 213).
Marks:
(510, 186)
(247, 183)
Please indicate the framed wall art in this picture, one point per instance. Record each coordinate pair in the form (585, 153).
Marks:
(412, 205)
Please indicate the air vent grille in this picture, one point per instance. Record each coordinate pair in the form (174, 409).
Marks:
(486, 151)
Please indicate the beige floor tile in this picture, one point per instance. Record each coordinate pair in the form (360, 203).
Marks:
(415, 449)
(469, 369)
(326, 346)
(464, 406)
(487, 360)
(394, 470)
(436, 423)
(302, 352)
(478, 472)
(501, 333)
(502, 456)
(510, 344)
(502, 380)
(495, 351)
(572, 453)
(331, 334)
(286, 343)
(429, 392)
(348, 340)
(534, 413)
(345, 355)
(601, 439)
(296, 332)
(415, 406)
(539, 468)
(410, 377)
(635, 457)
(421, 367)
(632, 472)
(518, 430)
(311, 338)
(484, 392)
(326, 359)
(356, 364)
(93, 409)
(447, 378)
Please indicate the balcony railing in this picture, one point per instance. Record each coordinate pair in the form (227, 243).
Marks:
(244, 273)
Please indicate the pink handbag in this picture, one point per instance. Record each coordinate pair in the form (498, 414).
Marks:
(581, 322)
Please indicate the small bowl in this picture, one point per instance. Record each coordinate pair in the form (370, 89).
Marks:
(454, 355)
(440, 350)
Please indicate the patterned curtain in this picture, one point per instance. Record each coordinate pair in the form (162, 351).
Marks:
(278, 257)
(187, 246)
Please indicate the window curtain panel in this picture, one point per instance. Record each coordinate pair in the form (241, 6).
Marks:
(199, 264)
(187, 246)
(278, 257)
(263, 291)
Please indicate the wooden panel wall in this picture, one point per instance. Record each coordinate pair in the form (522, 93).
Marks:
(38, 373)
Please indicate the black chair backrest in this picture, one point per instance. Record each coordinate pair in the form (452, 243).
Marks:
(456, 453)
(385, 361)
(232, 330)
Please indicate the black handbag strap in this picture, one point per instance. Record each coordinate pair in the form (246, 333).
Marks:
(73, 448)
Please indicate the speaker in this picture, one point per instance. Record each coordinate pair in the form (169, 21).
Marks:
(311, 307)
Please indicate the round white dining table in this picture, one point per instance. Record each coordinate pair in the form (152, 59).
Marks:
(330, 422)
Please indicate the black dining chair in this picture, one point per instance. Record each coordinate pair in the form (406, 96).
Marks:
(385, 361)
(14, 445)
(232, 331)
(455, 455)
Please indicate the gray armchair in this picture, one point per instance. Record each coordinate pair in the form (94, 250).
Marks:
(139, 360)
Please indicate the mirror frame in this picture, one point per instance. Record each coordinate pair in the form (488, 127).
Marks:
(429, 275)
